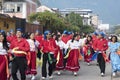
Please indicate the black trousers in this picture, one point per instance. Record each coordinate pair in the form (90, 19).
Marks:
(64, 54)
(44, 65)
(39, 54)
(19, 63)
(101, 63)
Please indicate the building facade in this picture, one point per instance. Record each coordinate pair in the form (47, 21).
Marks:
(86, 14)
(19, 8)
(95, 20)
(7, 23)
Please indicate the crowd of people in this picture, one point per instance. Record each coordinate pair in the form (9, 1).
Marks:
(60, 51)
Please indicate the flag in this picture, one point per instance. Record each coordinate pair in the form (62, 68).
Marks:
(94, 57)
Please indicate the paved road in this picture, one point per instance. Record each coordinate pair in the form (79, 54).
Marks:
(85, 73)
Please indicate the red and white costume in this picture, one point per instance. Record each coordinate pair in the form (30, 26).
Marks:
(73, 58)
(65, 38)
(32, 56)
(87, 50)
(4, 72)
(59, 55)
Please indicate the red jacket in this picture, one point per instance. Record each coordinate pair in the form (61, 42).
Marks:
(22, 45)
(94, 42)
(66, 38)
(48, 45)
(11, 38)
(101, 45)
(39, 38)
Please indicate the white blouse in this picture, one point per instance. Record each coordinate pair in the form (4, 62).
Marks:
(61, 44)
(82, 41)
(73, 45)
(2, 50)
(33, 45)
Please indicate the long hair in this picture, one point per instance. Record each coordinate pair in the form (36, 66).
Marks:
(75, 35)
(30, 35)
(26, 35)
(116, 39)
(88, 41)
(57, 37)
(5, 44)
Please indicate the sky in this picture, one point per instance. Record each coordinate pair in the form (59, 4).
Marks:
(108, 10)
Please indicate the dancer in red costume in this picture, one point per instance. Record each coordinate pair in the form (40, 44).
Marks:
(59, 54)
(48, 46)
(39, 37)
(73, 55)
(87, 50)
(101, 46)
(19, 47)
(4, 71)
(33, 49)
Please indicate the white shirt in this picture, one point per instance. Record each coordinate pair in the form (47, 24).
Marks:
(82, 41)
(33, 45)
(61, 44)
(2, 50)
(73, 45)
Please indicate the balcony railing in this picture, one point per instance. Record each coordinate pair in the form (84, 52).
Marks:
(9, 11)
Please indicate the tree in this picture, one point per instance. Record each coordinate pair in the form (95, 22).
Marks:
(77, 25)
(73, 28)
(87, 29)
(55, 22)
(75, 19)
(48, 20)
(117, 31)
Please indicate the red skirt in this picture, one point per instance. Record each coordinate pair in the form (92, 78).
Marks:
(87, 58)
(32, 64)
(73, 60)
(59, 55)
(3, 67)
(87, 54)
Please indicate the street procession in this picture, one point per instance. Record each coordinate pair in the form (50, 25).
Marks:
(59, 40)
(55, 52)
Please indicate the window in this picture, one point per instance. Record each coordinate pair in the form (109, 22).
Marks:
(18, 9)
(13, 7)
(9, 8)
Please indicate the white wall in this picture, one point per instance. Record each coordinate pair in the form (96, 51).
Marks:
(24, 12)
(103, 26)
